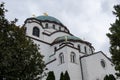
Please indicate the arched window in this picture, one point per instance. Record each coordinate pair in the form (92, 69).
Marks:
(53, 26)
(61, 57)
(60, 28)
(55, 48)
(103, 64)
(85, 49)
(46, 25)
(79, 48)
(73, 57)
(36, 31)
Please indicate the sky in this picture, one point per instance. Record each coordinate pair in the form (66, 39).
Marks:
(87, 19)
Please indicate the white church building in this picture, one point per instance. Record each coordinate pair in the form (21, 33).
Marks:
(65, 52)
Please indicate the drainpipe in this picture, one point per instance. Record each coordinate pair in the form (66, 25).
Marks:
(81, 69)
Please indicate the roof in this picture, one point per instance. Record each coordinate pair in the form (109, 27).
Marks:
(66, 38)
(48, 18)
(69, 38)
(99, 52)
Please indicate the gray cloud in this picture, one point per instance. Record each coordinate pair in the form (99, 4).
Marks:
(87, 19)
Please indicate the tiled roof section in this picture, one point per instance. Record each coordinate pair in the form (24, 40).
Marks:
(65, 38)
(69, 38)
(47, 18)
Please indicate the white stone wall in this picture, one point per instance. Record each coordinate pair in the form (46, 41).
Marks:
(92, 68)
(56, 66)
(82, 45)
(74, 68)
(29, 30)
(50, 26)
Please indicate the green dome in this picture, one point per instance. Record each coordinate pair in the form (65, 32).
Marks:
(48, 18)
(67, 38)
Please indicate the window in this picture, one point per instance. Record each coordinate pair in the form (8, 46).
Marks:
(60, 28)
(46, 25)
(53, 26)
(79, 48)
(55, 49)
(85, 49)
(61, 57)
(73, 57)
(36, 31)
(103, 64)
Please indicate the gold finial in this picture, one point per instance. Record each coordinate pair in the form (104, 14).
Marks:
(45, 14)
(33, 15)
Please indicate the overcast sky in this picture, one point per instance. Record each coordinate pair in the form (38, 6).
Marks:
(87, 19)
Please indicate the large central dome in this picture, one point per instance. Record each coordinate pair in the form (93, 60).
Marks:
(48, 18)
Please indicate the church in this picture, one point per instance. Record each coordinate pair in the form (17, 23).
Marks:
(65, 52)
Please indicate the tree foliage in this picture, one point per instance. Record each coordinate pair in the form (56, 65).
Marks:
(114, 37)
(109, 77)
(106, 77)
(51, 76)
(64, 76)
(19, 56)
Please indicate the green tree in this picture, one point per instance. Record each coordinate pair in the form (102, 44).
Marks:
(19, 56)
(114, 37)
(66, 76)
(110, 77)
(51, 76)
(62, 76)
(106, 77)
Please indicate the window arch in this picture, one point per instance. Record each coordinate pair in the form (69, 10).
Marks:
(46, 25)
(61, 57)
(79, 48)
(53, 26)
(85, 49)
(73, 57)
(36, 31)
(60, 28)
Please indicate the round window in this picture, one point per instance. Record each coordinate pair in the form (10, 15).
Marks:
(103, 63)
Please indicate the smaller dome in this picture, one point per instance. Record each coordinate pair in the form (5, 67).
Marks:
(69, 38)
(48, 18)
(66, 38)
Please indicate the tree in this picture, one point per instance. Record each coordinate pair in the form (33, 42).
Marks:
(110, 77)
(106, 77)
(66, 76)
(62, 76)
(114, 37)
(19, 56)
(51, 76)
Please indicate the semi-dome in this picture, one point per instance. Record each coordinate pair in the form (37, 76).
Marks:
(48, 18)
(69, 38)
(66, 38)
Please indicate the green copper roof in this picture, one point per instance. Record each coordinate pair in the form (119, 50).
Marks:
(69, 38)
(49, 18)
(66, 38)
